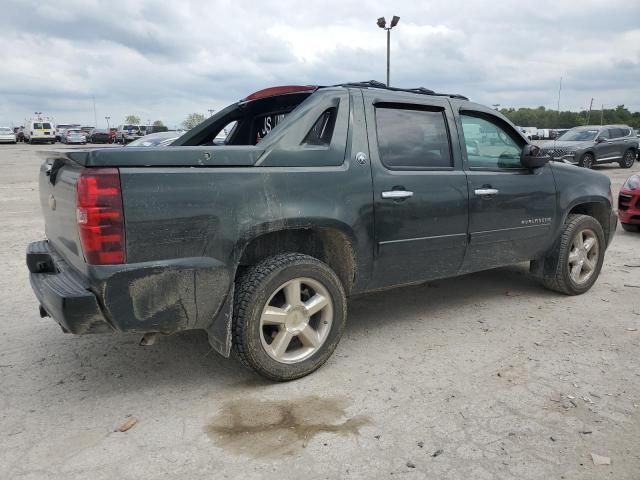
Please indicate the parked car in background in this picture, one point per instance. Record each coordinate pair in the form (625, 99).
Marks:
(161, 139)
(39, 131)
(99, 135)
(7, 135)
(73, 135)
(591, 145)
(61, 127)
(157, 129)
(629, 204)
(127, 133)
(86, 130)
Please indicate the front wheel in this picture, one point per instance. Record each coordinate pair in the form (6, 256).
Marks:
(628, 159)
(289, 314)
(587, 160)
(574, 264)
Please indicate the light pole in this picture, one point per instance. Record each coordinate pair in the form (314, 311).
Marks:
(107, 119)
(382, 23)
(211, 110)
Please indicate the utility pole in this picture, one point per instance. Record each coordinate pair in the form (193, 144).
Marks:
(211, 110)
(589, 114)
(107, 119)
(559, 92)
(602, 115)
(382, 23)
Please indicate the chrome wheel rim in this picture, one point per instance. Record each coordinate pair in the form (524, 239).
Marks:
(583, 256)
(296, 320)
(588, 161)
(628, 159)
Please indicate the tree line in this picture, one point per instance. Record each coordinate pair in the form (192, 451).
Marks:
(542, 118)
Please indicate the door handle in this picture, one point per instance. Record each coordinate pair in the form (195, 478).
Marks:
(486, 192)
(397, 194)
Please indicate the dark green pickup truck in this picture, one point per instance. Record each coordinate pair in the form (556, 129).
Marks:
(316, 194)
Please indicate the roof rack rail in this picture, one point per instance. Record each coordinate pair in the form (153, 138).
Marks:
(420, 90)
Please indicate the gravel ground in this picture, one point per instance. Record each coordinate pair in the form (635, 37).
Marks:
(484, 376)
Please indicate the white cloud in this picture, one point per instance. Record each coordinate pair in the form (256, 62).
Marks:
(163, 60)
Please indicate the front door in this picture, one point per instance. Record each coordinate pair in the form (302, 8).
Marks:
(511, 209)
(420, 191)
(606, 148)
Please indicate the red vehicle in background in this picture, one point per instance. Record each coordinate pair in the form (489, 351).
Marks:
(629, 204)
(112, 132)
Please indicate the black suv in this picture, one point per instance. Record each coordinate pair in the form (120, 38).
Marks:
(587, 146)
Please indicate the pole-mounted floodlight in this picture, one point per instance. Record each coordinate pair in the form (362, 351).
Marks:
(382, 23)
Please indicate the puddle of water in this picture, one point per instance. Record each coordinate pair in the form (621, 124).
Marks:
(262, 428)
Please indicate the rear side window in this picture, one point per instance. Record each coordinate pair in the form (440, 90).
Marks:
(619, 132)
(412, 139)
(322, 130)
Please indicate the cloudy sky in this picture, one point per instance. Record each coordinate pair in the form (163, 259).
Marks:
(163, 60)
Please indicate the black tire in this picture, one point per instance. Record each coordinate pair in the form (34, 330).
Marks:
(254, 289)
(630, 227)
(628, 159)
(587, 160)
(555, 270)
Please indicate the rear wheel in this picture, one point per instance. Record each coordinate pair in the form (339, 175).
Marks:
(587, 160)
(289, 314)
(574, 264)
(628, 159)
(630, 227)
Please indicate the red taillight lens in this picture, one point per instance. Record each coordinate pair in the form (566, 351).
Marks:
(100, 216)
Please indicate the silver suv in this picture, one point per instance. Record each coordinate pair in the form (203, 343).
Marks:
(127, 133)
(590, 145)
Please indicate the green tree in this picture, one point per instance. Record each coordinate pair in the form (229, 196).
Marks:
(134, 119)
(192, 120)
(158, 123)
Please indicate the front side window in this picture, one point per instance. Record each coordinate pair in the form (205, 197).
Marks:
(488, 144)
(412, 139)
(605, 134)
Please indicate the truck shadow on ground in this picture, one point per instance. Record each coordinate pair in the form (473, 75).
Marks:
(107, 364)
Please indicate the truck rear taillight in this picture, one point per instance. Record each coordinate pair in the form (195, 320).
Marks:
(100, 216)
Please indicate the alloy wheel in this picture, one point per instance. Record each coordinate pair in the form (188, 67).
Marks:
(296, 320)
(628, 159)
(583, 256)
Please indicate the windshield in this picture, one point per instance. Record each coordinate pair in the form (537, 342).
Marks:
(130, 127)
(579, 135)
(73, 131)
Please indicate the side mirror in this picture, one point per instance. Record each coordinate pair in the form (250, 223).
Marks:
(531, 158)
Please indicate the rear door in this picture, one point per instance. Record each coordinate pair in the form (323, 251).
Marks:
(420, 193)
(605, 147)
(511, 209)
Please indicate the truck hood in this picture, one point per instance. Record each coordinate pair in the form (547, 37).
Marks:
(204, 156)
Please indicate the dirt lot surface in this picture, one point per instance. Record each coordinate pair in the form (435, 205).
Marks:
(486, 376)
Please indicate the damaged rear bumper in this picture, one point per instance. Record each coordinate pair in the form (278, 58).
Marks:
(164, 297)
(63, 294)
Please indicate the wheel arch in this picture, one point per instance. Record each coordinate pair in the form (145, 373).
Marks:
(331, 243)
(597, 208)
